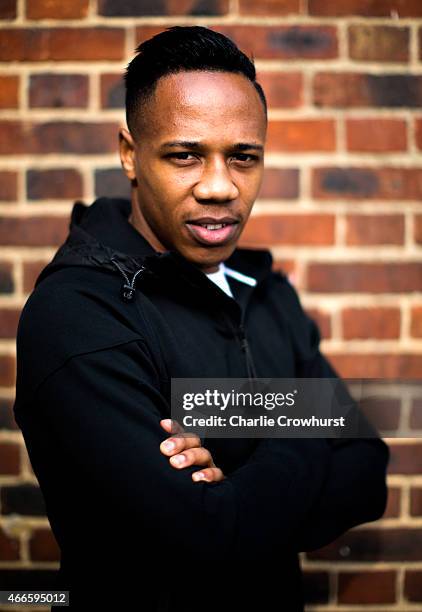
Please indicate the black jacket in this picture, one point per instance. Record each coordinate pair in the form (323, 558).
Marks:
(93, 382)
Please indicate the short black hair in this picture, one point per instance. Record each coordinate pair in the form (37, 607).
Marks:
(179, 49)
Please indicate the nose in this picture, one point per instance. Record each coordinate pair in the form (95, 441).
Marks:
(215, 184)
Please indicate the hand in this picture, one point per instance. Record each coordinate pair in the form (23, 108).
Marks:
(193, 453)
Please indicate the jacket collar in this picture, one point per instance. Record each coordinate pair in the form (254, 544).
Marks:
(107, 220)
(101, 232)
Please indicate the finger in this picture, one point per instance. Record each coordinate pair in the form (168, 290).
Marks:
(174, 445)
(213, 474)
(191, 440)
(174, 428)
(171, 426)
(193, 456)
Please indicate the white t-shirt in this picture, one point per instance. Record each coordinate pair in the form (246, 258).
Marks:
(220, 278)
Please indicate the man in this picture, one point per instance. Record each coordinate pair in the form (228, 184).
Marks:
(145, 291)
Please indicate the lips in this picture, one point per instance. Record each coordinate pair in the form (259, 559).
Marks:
(213, 230)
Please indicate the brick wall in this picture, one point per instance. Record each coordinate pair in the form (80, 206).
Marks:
(340, 208)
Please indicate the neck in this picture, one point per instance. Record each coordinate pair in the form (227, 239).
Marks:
(210, 270)
(137, 220)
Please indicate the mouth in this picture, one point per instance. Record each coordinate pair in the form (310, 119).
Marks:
(213, 231)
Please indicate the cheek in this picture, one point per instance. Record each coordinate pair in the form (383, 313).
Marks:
(167, 183)
(152, 186)
(249, 186)
(180, 181)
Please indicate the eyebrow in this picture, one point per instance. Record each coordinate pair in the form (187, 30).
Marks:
(191, 144)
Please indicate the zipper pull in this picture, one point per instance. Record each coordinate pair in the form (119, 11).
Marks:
(127, 290)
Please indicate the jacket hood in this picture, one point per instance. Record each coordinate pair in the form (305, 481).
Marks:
(101, 236)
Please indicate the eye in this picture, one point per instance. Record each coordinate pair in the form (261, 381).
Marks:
(245, 159)
(181, 156)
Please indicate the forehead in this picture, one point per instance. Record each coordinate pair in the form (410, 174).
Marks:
(201, 104)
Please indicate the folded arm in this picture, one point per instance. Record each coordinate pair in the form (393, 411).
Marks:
(96, 422)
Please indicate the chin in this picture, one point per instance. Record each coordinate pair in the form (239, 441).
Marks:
(216, 259)
(209, 257)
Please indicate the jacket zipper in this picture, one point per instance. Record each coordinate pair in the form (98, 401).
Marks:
(250, 366)
(240, 334)
(128, 293)
(127, 290)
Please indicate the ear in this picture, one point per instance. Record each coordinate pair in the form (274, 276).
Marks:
(127, 153)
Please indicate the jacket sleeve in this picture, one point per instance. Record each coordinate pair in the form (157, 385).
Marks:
(355, 489)
(95, 423)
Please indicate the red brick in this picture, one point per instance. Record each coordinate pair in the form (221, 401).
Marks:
(60, 184)
(406, 458)
(139, 8)
(286, 266)
(112, 91)
(9, 91)
(377, 365)
(301, 135)
(269, 7)
(382, 412)
(309, 230)
(56, 9)
(111, 182)
(416, 501)
(418, 133)
(418, 229)
(366, 8)
(386, 183)
(376, 135)
(420, 42)
(58, 91)
(31, 271)
(8, 11)
(9, 547)
(33, 231)
(395, 544)
(280, 183)
(23, 498)
(8, 186)
(62, 44)
(364, 230)
(284, 42)
(413, 585)
(7, 418)
(367, 587)
(147, 31)
(273, 42)
(7, 371)
(9, 459)
(393, 503)
(379, 43)
(355, 90)
(282, 89)
(9, 318)
(6, 276)
(43, 546)
(18, 138)
(415, 419)
(371, 277)
(381, 323)
(416, 322)
(322, 319)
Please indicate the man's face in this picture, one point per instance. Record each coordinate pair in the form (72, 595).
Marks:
(197, 164)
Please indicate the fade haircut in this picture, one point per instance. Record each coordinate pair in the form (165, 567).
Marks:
(180, 49)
